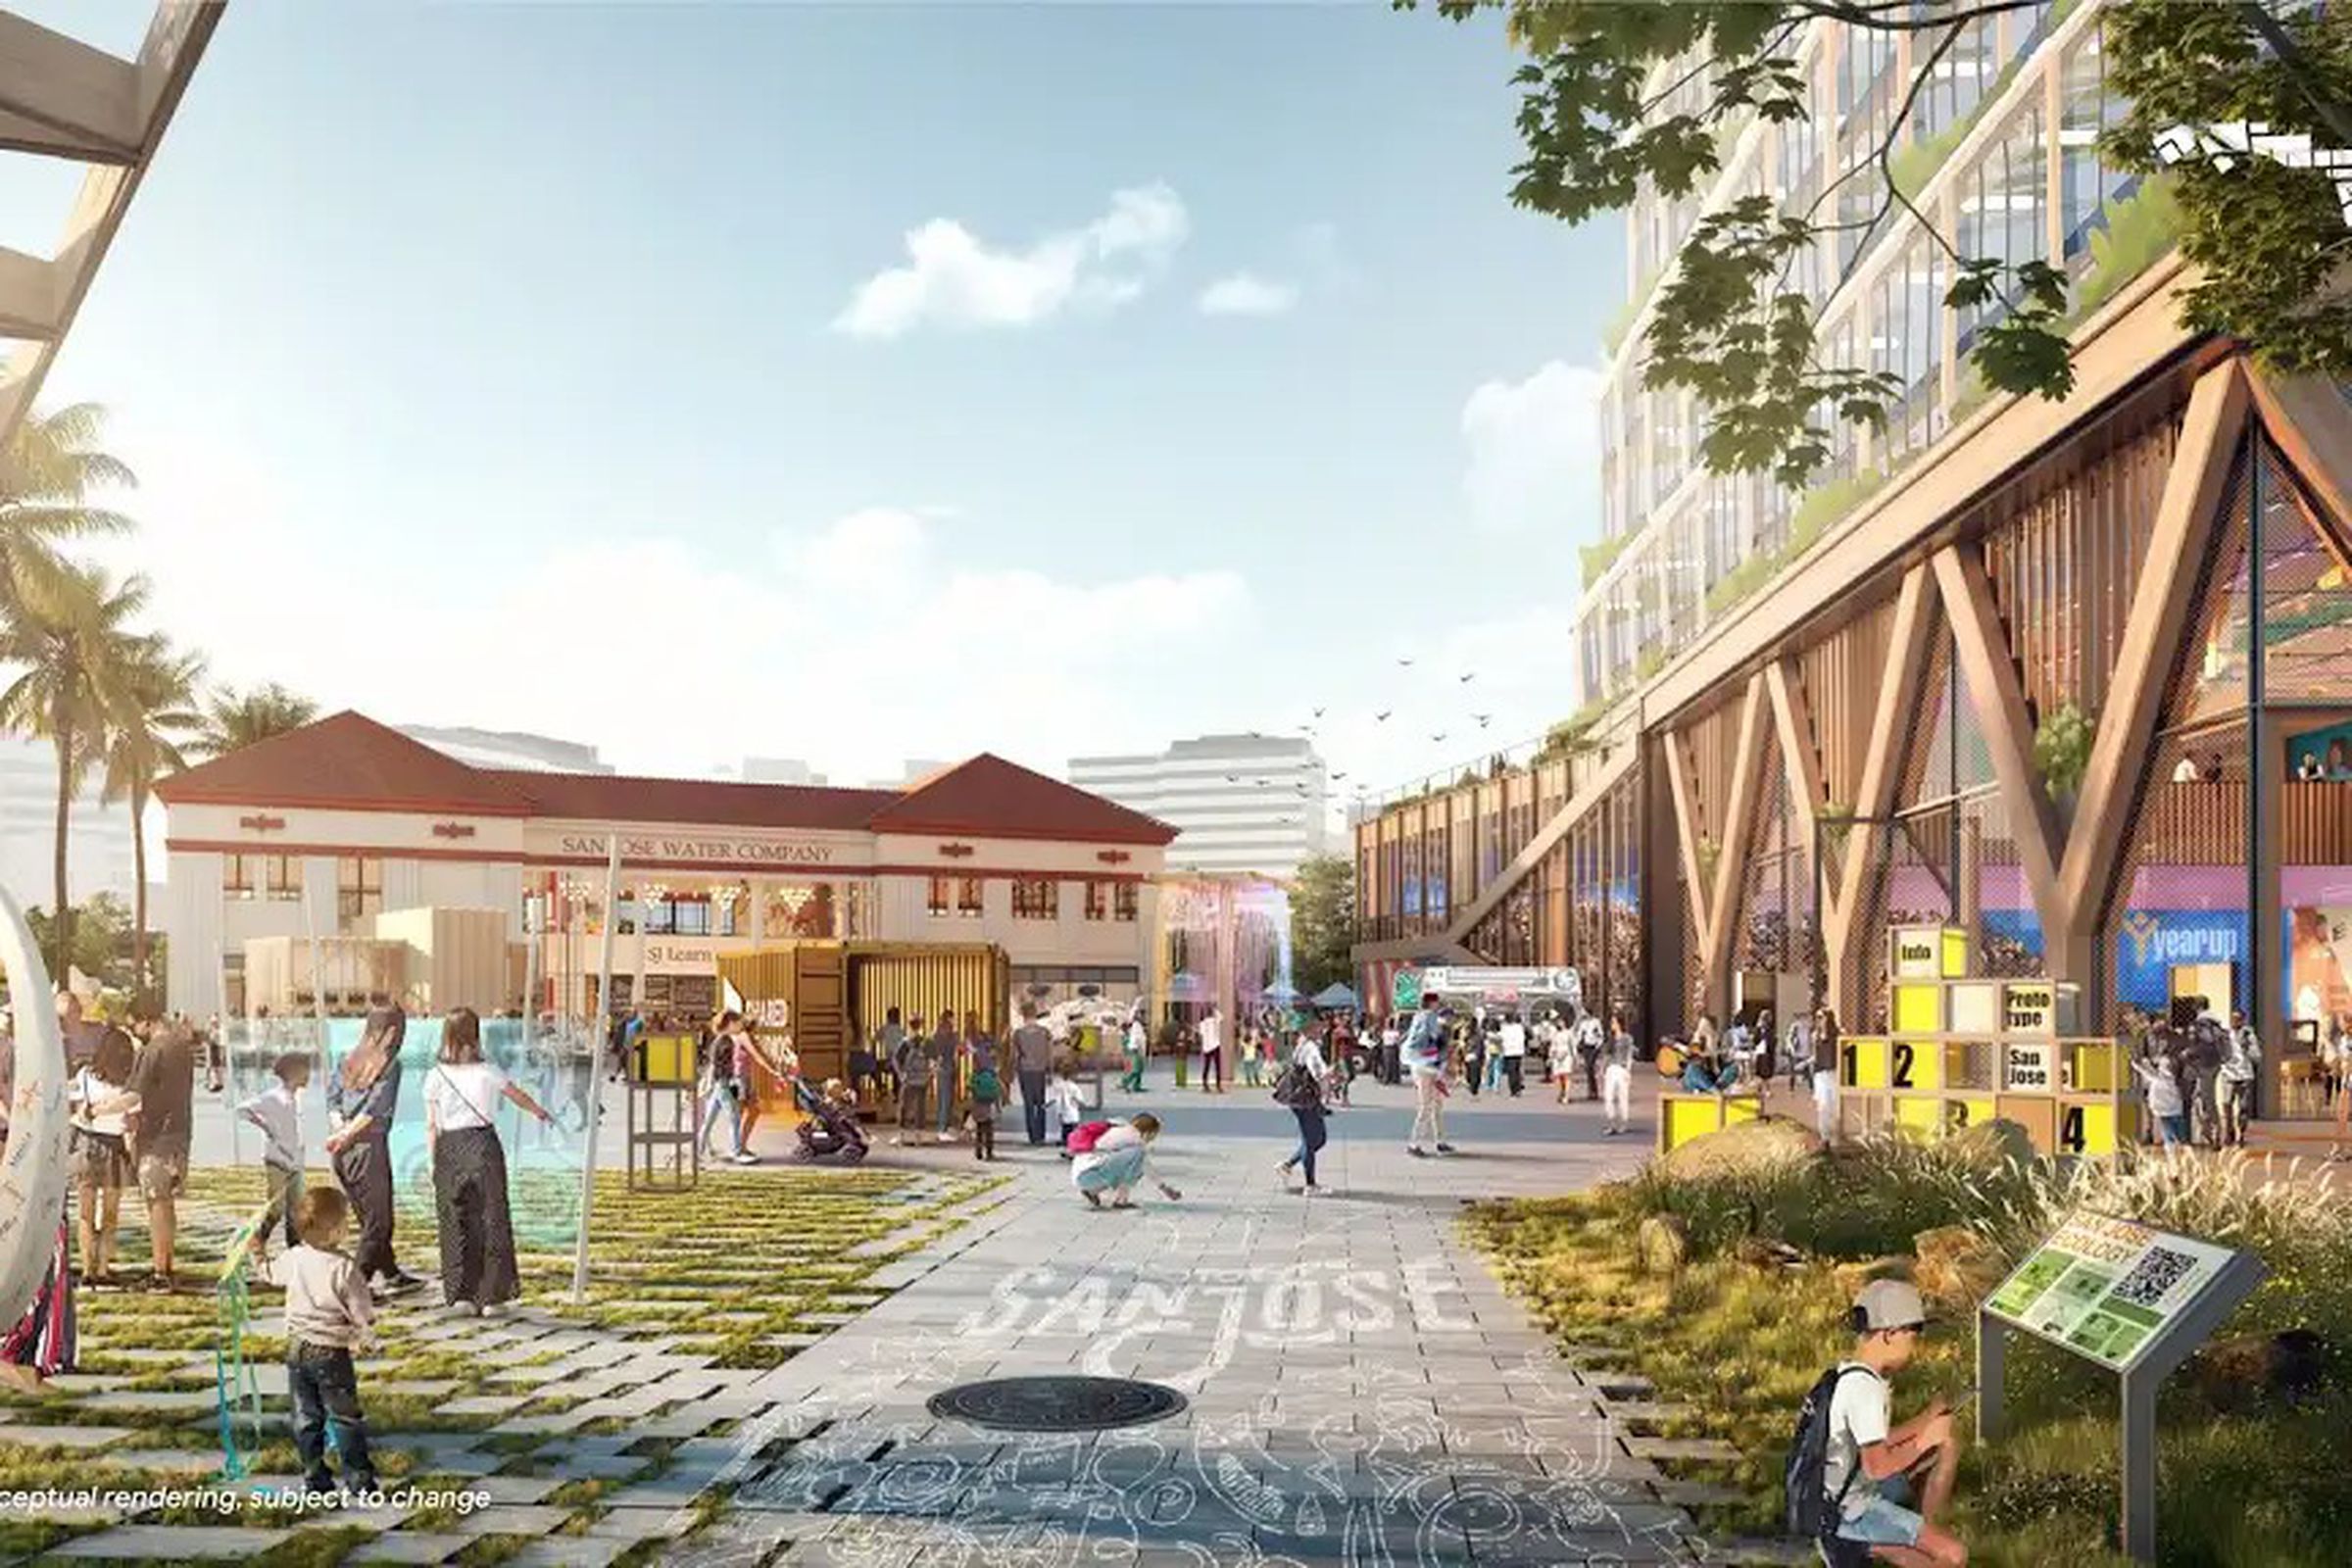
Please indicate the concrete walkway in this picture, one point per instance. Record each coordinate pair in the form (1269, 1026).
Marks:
(1360, 1391)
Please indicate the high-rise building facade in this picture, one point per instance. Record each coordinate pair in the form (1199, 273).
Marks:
(511, 750)
(98, 858)
(1243, 803)
(2074, 675)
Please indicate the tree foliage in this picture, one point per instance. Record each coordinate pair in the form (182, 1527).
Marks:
(99, 939)
(1322, 922)
(233, 721)
(1731, 325)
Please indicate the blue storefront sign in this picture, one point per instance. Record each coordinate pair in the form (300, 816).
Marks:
(2150, 941)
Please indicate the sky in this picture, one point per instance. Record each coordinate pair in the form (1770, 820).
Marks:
(854, 383)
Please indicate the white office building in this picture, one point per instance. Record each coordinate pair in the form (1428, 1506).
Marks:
(512, 751)
(1242, 802)
(99, 854)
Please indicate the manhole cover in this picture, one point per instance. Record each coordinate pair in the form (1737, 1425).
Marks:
(1057, 1404)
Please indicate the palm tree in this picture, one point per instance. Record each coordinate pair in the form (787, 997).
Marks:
(157, 706)
(48, 471)
(233, 721)
(73, 643)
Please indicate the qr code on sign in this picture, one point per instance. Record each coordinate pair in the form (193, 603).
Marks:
(2153, 1276)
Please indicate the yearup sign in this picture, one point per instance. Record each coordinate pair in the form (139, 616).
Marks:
(2130, 1298)
(1504, 985)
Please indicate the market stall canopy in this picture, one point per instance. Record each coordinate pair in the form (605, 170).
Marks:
(1281, 991)
(1336, 996)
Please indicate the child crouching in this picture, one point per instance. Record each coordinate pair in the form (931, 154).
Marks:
(328, 1315)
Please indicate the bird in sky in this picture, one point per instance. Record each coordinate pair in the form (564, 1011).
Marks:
(1382, 717)
(1335, 777)
(1473, 675)
(1441, 735)
(1406, 661)
(1233, 778)
(1318, 712)
(1482, 719)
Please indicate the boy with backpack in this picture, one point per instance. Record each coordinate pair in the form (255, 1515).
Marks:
(987, 1092)
(1848, 1477)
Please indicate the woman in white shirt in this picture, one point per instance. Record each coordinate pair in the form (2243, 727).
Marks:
(470, 1169)
(103, 1103)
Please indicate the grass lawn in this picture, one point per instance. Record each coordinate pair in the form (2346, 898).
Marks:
(1739, 1342)
(739, 1270)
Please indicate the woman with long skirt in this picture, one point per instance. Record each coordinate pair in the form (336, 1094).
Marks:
(361, 1099)
(470, 1169)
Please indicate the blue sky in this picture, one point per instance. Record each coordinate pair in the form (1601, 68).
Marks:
(534, 365)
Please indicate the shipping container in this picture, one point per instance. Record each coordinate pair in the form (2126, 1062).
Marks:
(826, 994)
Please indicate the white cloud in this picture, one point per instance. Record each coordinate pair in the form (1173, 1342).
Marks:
(1247, 294)
(1535, 450)
(953, 278)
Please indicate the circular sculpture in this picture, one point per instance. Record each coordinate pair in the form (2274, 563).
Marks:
(1056, 1403)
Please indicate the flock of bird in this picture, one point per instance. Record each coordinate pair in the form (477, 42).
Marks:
(1309, 730)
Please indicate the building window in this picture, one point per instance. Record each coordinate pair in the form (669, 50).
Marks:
(657, 917)
(1098, 901)
(690, 917)
(281, 878)
(1036, 898)
(968, 899)
(359, 888)
(937, 904)
(239, 874)
(1123, 900)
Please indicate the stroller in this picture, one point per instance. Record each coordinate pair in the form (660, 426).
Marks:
(831, 1136)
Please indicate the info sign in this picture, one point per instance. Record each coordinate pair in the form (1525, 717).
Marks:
(2107, 1289)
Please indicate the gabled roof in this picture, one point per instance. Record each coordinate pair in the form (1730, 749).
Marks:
(995, 798)
(688, 801)
(347, 762)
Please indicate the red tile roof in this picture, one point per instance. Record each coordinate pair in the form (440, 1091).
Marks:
(687, 801)
(349, 763)
(993, 798)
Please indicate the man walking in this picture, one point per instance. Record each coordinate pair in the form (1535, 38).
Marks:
(1424, 1052)
(1213, 1050)
(1590, 1041)
(2240, 1067)
(164, 1080)
(1514, 1053)
(1032, 1059)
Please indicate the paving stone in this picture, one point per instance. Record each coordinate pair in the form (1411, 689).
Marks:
(415, 1387)
(164, 1542)
(154, 1401)
(568, 1552)
(486, 1404)
(511, 1519)
(411, 1546)
(1712, 1450)
(543, 1426)
(632, 1525)
(85, 1382)
(179, 1461)
(518, 1488)
(63, 1437)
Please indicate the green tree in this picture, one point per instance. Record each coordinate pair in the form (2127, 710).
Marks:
(49, 472)
(233, 721)
(155, 707)
(74, 645)
(1732, 327)
(1322, 922)
(99, 928)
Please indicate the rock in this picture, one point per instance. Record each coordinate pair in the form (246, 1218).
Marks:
(1957, 1267)
(1661, 1243)
(1990, 1144)
(1746, 1149)
(2258, 1370)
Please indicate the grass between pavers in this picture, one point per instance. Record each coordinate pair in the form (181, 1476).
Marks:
(769, 1247)
(1737, 1343)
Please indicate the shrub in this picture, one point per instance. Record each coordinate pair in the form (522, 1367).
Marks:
(2141, 228)
(2062, 744)
(1600, 556)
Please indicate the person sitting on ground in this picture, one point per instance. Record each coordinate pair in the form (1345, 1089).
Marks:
(1886, 1487)
(1110, 1156)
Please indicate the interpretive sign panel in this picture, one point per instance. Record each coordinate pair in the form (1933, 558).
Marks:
(2107, 1289)
(1478, 981)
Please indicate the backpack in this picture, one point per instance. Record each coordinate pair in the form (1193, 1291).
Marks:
(1297, 1087)
(1084, 1139)
(1812, 1514)
(985, 1086)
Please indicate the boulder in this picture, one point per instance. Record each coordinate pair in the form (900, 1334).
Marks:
(1957, 1267)
(1661, 1243)
(1745, 1148)
(1989, 1145)
(2258, 1370)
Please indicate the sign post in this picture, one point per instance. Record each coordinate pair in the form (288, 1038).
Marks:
(595, 1041)
(2131, 1298)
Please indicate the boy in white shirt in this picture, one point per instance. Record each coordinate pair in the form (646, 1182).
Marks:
(328, 1315)
(1069, 1106)
(1866, 1468)
(277, 1112)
